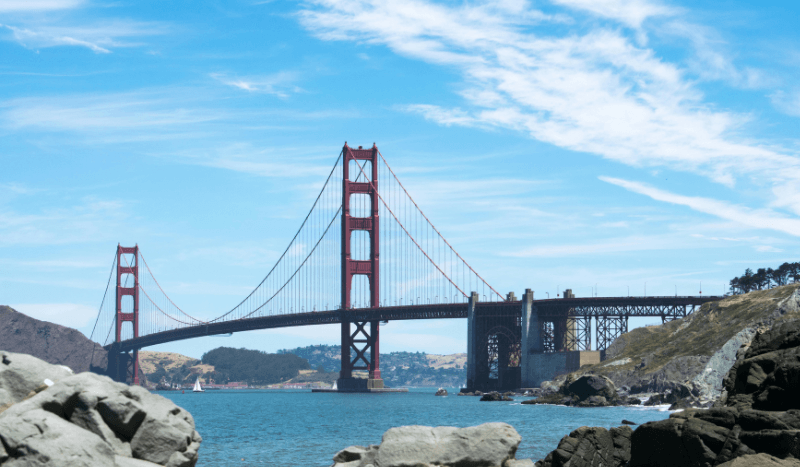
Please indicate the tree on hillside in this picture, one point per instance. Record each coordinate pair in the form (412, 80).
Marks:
(765, 278)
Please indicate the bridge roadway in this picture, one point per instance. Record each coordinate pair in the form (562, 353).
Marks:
(589, 306)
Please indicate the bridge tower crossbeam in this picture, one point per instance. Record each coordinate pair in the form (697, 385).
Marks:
(364, 339)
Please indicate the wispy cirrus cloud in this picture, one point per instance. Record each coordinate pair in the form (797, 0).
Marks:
(37, 5)
(101, 38)
(597, 91)
(279, 84)
(88, 221)
(147, 109)
(755, 218)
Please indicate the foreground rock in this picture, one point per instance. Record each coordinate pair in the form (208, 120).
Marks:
(495, 396)
(585, 391)
(22, 375)
(487, 445)
(50, 342)
(756, 424)
(591, 446)
(89, 420)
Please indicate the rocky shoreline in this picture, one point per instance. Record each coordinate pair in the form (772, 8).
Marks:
(755, 423)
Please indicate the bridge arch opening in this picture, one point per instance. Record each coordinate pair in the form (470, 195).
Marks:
(360, 245)
(360, 205)
(359, 292)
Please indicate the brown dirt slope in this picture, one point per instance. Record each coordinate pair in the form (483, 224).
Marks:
(651, 357)
(456, 360)
(50, 342)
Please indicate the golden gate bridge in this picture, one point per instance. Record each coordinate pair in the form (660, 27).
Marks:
(364, 254)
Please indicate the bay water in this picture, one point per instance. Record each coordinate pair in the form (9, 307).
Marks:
(298, 428)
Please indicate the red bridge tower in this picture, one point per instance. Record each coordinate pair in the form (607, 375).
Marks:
(124, 366)
(362, 340)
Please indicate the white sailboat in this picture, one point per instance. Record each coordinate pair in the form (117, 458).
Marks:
(335, 387)
(197, 387)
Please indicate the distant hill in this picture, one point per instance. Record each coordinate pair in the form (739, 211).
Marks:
(170, 368)
(50, 342)
(398, 369)
(253, 366)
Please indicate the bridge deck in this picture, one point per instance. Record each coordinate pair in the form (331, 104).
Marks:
(595, 306)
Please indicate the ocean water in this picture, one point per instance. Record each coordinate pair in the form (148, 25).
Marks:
(299, 428)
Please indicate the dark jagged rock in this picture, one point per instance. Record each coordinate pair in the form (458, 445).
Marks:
(767, 376)
(50, 342)
(585, 391)
(441, 392)
(495, 397)
(758, 417)
(591, 447)
(628, 422)
(756, 424)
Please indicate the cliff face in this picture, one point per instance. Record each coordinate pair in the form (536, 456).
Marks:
(698, 349)
(58, 345)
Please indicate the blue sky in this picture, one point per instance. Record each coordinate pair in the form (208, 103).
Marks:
(562, 143)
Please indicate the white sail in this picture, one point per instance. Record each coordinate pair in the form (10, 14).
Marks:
(334, 386)
(197, 387)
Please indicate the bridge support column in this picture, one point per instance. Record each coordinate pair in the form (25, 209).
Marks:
(473, 342)
(530, 338)
(126, 365)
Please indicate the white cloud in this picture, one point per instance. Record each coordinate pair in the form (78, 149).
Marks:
(768, 249)
(755, 218)
(629, 12)
(73, 315)
(37, 5)
(597, 92)
(787, 102)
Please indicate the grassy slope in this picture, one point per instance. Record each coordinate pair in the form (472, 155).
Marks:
(699, 335)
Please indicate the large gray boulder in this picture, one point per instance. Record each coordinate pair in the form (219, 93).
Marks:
(22, 374)
(487, 445)
(91, 420)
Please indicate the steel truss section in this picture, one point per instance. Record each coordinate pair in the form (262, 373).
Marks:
(578, 335)
(679, 313)
(609, 328)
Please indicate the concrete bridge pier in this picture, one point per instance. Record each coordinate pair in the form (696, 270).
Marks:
(123, 367)
(493, 344)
